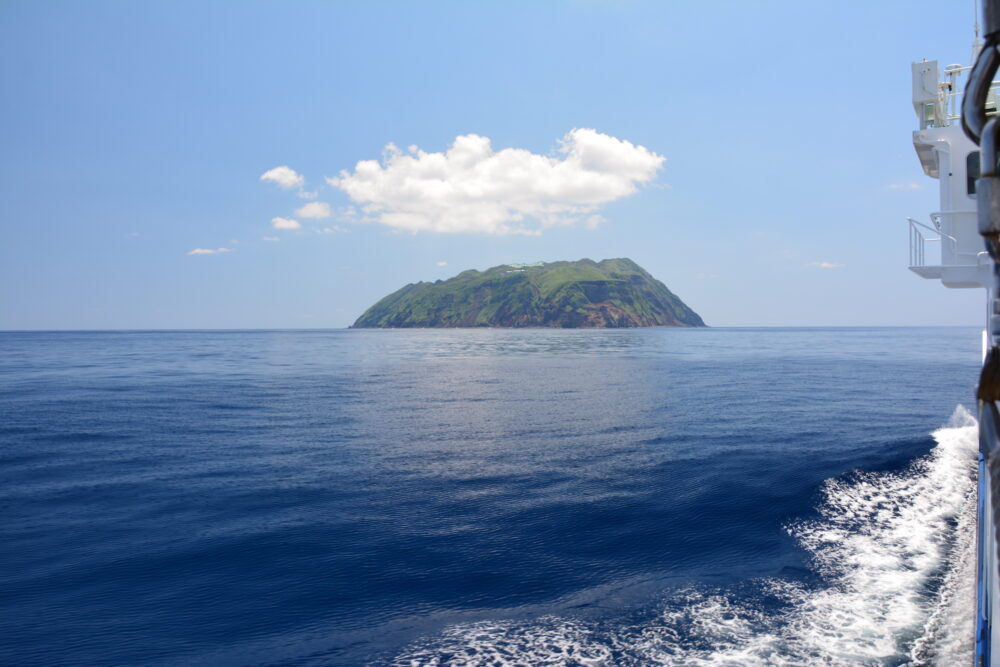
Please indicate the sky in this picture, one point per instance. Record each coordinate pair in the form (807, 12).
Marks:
(172, 165)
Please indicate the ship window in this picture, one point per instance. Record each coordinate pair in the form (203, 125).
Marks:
(971, 173)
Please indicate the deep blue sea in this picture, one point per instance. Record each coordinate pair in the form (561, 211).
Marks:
(487, 497)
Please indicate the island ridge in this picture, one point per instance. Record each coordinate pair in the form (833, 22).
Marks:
(583, 294)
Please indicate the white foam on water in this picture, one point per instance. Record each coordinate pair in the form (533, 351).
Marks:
(947, 635)
(547, 641)
(896, 552)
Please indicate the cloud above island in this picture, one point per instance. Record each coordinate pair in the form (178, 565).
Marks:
(285, 223)
(208, 251)
(316, 210)
(471, 188)
(284, 177)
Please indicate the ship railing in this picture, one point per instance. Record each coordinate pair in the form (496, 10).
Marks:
(953, 99)
(919, 241)
(948, 107)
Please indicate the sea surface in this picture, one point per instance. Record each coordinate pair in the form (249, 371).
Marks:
(487, 497)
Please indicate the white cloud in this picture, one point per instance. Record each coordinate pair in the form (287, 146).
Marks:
(307, 195)
(905, 186)
(271, 238)
(442, 263)
(208, 251)
(285, 223)
(825, 265)
(316, 210)
(286, 177)
(335, 229)
(471, 188)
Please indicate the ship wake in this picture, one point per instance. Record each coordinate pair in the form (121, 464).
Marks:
(896, 555)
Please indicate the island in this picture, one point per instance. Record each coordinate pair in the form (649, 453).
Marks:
(611, 293)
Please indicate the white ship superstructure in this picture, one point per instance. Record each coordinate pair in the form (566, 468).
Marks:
(947, 246)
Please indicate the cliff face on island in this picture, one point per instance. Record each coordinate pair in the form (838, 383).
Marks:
(610, 293)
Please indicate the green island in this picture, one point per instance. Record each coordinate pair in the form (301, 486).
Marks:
(583, 294)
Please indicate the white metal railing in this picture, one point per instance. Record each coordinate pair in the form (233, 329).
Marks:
(953, 101)
(918, 242)
(948, 107)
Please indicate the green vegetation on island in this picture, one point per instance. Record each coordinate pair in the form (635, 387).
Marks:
(610, 293)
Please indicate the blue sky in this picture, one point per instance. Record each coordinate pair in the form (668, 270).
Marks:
(132, 133)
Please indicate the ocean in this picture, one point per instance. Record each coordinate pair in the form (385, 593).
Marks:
(488, 497)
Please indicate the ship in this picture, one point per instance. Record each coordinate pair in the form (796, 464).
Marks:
(959, 245)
